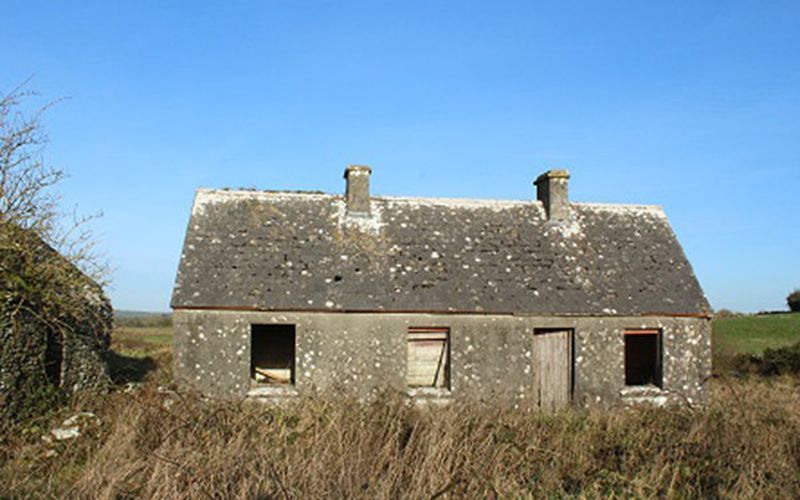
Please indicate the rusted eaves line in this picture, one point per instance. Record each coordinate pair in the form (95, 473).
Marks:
(431, 311)
(680, 315)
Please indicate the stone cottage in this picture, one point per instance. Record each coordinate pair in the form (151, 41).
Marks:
(55, 324)
(532, 303)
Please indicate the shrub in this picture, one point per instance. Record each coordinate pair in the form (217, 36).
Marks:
(781, 360)
(794, 301)
(777, 361)
(726, 313)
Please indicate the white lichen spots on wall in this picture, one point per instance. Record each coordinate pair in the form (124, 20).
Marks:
(366, 359)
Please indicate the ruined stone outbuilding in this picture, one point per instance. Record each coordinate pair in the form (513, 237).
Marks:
(55, 325)
(537, 303)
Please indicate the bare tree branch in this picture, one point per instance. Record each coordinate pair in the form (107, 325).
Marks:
(28, 198)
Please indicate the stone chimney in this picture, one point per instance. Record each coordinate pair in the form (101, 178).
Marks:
(357, 177)
(552, 189)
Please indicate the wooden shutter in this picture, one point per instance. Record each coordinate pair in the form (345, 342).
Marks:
(428, 357)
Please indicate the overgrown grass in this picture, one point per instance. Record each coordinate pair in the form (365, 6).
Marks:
(157, 444)
(753, 334)
(153, 442)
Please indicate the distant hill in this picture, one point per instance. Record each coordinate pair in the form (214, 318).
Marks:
(126, 313)
(127, 318)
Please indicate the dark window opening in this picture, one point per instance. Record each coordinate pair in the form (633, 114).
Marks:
(53, 357)
(272, 349)
(643, 357)
(428, 363)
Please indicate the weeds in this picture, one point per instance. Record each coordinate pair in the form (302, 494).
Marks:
(161, 444)
(156, 443)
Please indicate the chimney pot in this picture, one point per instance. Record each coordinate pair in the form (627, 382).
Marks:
(552, 189)
(357, 194)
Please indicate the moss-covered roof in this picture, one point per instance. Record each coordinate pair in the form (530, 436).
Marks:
(301, 251)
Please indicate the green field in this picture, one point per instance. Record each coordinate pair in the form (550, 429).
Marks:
(753, 334)
(133, 337)
(141, 353)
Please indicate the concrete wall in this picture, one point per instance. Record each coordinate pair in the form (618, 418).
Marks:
(365, 353)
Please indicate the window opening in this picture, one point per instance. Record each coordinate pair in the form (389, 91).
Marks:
(272, 353)
(428, 363)
(53, 356)
(643, 357)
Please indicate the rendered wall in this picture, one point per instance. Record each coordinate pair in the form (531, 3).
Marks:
(365, 353)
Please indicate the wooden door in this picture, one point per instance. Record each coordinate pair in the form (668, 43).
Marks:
(552, 368)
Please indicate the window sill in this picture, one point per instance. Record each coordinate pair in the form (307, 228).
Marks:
(644, 394)
(272, 391)
(429, 393)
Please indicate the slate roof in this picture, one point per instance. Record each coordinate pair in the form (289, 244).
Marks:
(301, 251)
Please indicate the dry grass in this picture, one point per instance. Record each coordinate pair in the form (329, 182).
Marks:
(157, 444)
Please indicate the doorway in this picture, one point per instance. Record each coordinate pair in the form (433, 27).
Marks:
(553, 367)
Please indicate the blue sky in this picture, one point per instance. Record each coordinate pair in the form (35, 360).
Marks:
(694, 106)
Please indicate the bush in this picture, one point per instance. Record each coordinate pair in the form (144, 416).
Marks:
(726, 313)
(794, 301)
(781, 360)
(777, 361)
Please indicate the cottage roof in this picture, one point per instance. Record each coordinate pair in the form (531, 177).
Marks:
(303, 251)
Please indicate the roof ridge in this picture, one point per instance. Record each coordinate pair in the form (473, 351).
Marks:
(439, 200)
(261, 191)
(454, 201)
(300, 192)
(601, 204)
